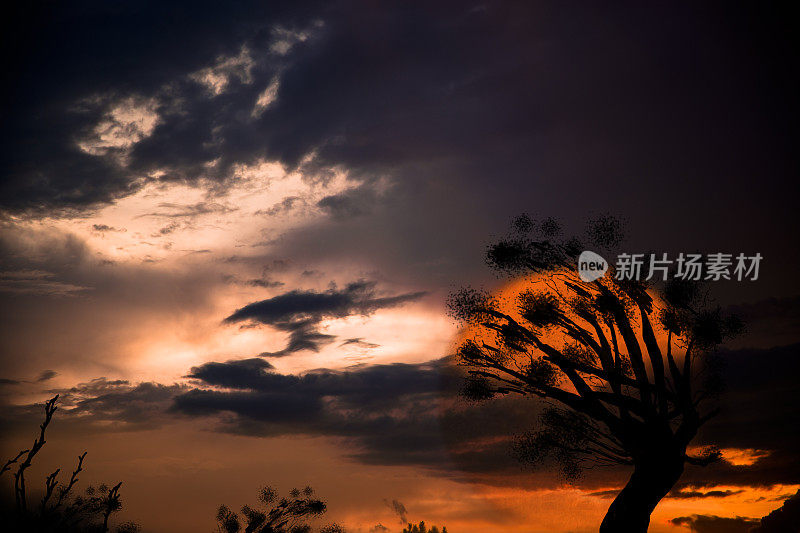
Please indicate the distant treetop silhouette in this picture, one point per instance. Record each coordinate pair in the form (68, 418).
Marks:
(422, 528)
(276, 515)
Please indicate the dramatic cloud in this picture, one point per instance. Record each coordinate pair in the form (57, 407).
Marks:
(300, 312)
(167, 163)
(406, 414)
(37, 282)
(245, 373)
(103, 405)
(105, 227)
(302, 336)
(677, 494)
(46, 376)
(396, 414)
(340, 402)
(298, 306)
(358, 342)
(715, 524)
(284, 206)
(696, 494)
(759, 395)
(348, 204)
(470, 113)
(355, 404)
(265, 283)
(171, 210)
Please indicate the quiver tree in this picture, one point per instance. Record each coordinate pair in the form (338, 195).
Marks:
(618, 363)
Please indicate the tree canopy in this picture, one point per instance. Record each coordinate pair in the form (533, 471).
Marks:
(621, 363)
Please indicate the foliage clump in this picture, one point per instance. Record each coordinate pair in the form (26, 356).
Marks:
(275, 514)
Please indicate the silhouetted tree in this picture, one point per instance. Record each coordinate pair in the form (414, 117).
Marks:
(19, 476)
(276, 515)
(618, 368)
(422, 528)
(60, 510)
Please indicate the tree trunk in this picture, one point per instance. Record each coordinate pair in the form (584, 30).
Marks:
(652, 479)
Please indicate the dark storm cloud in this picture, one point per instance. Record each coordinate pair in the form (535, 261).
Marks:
(349, 204)
(131, 407)
(389, 414)
(359, 342)
(372, 386)
(771, 322)
(759, 401)
(562, 102)
(172, 210)
(234, 374)
(405, 414)
(299, 312)
(696, 494)
(37, 283)
(383, 410)
(101, 405)
(264, 283)
(296, 306)
(302, 336)
(716, 524)
(70, 65)
(105, 228)
(46, 375)
(472, 113)
(284, 206)
(677, 494)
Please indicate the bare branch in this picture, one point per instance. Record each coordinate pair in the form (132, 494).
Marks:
(7, 466)
(19, 477)
(49, 484)
(64, 492)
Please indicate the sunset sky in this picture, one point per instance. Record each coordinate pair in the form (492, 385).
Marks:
(228, 232)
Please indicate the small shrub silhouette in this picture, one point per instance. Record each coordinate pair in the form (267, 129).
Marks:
(276, 515)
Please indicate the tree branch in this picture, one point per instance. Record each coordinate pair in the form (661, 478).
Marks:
(19, 477)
